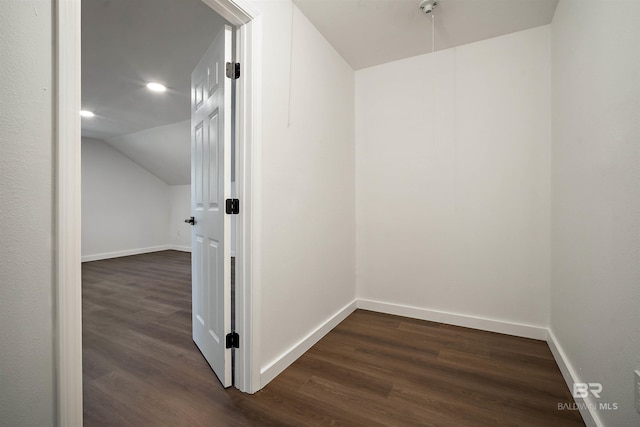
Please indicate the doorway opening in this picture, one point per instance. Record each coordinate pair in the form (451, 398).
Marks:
(68, 322)
(140, 149)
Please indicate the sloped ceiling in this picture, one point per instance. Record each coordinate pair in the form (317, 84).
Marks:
(373, 32)
(127, 43)
(165, 151)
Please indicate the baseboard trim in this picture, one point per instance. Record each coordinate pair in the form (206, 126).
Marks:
(128, 252)
(585, 406)
(180, 248)
(282, 362)
(502, 327)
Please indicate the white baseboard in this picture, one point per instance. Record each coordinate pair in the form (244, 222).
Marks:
(180, 248)
(589, 416)
(128, 252)
(275, 367)
(509, 328)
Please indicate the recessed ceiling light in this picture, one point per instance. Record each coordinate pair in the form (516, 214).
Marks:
(156, 87)
(86, 113)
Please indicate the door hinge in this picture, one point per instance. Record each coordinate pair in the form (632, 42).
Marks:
(233, 340)
(233, 70)
(232, 206)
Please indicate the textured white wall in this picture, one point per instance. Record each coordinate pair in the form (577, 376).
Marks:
(180, 209)
(308, 240)
(595, 304)
(26, 206)
(124, 207)
(452, 180)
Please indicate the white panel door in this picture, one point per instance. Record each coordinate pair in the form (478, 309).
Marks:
(210, 186)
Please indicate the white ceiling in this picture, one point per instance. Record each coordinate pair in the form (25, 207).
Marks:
(165, 151)
(372, 32)
(125, 44)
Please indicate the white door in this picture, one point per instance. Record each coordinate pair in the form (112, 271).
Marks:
(210, 187)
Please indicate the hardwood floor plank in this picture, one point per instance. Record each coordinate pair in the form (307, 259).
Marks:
(141, 367)
(372, 407)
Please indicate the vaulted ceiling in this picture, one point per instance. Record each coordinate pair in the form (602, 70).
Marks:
(127, 43)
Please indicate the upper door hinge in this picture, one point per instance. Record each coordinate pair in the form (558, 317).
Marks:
(232, 206)
(233, 340)
(233, 70)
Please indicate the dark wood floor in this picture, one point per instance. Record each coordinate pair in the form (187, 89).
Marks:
(141, 367)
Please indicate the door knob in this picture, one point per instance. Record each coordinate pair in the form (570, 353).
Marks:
(191, 221)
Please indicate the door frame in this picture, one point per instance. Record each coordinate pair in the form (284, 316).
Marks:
(67, 276)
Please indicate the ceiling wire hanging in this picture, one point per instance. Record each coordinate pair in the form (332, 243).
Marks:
(433, 32)
(433, 81)
(428, 6)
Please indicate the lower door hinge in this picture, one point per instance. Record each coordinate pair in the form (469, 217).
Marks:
(232, 206)
(233, 70)
(233, 340)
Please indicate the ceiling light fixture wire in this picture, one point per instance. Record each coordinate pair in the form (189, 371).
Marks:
(433, 32)
(434, 108)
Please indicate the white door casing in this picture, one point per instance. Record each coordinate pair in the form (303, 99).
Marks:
(210, 187)
(68, 338)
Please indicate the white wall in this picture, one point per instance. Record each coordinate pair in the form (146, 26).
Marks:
(125, 209)
(308, 240)
(180, 209)
(595, 304)
(27, 396)
(452, 180)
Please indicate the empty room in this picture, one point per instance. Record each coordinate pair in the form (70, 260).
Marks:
(356, 212)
